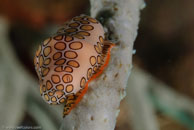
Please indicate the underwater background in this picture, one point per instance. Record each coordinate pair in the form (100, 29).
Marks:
(164, 58)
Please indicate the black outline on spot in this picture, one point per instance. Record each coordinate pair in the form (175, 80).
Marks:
(49, 52)
(40, 50)
(59, 60)
(53, 97)
(99, 46)
(81, 82)
(79, 18)
(96, 68)
(58, 77)
(69, 36)
(71, 31)
(57, 67)
(76, 55)
(61, 99)
(39, 60)
(83, 32)
(50, 83)
(47, 42)
(73, 61)
(100, 59)
(51, 92)
(48, 97)
(44, 70)
(102, 39)
(76, 36)
(68, 71)
(88, 72)
(44, 86)
(82, 22)
(92, 21)
(60, 89)
(78, 48)
(74, 26)
(47, 59)
(85, 29)
(95, 60)
(59, 57)
(61, 95)
(96, 49)
(68, 75)
(58, 43)
(57, 36)
(69, 85)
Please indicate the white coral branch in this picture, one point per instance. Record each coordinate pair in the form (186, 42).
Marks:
(99, 108)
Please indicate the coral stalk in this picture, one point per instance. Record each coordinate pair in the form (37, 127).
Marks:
(99, 108)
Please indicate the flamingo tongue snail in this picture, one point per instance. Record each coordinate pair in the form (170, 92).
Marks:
(67, 62)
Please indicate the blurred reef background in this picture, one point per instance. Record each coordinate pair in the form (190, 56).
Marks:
(163, 63)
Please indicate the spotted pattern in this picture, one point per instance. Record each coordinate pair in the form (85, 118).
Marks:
(67, 62)
(95, 68)
(71, 102)
(89, 73)
(59, 69)
(68, 38)
(38, 51)
(68, 69)
(41, 60)
(70, 30)
(92, 60)
(50, 93)
(60, 46)
(45, 71)
(99, 46)
(47, 41)
(59, 94)
(86, 27)
(61, 100)
(49, 85)
(75, 24)
(82, 33)
(55, 79)
(73, 63)
(84, 22)
(67, 78)
(77, 18)
(47, 51)
(78, 36)
(60, 87)
(70, 54)
(47, 61)
(57, 55)
(75, 45)
(99, 59)
(69, 88)
(92, 20)
(97, 49)
(60, 61)
(101, 39)
(46, 97)
(82, 82)
(59, 37)
(53, 99)
(44, 88)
